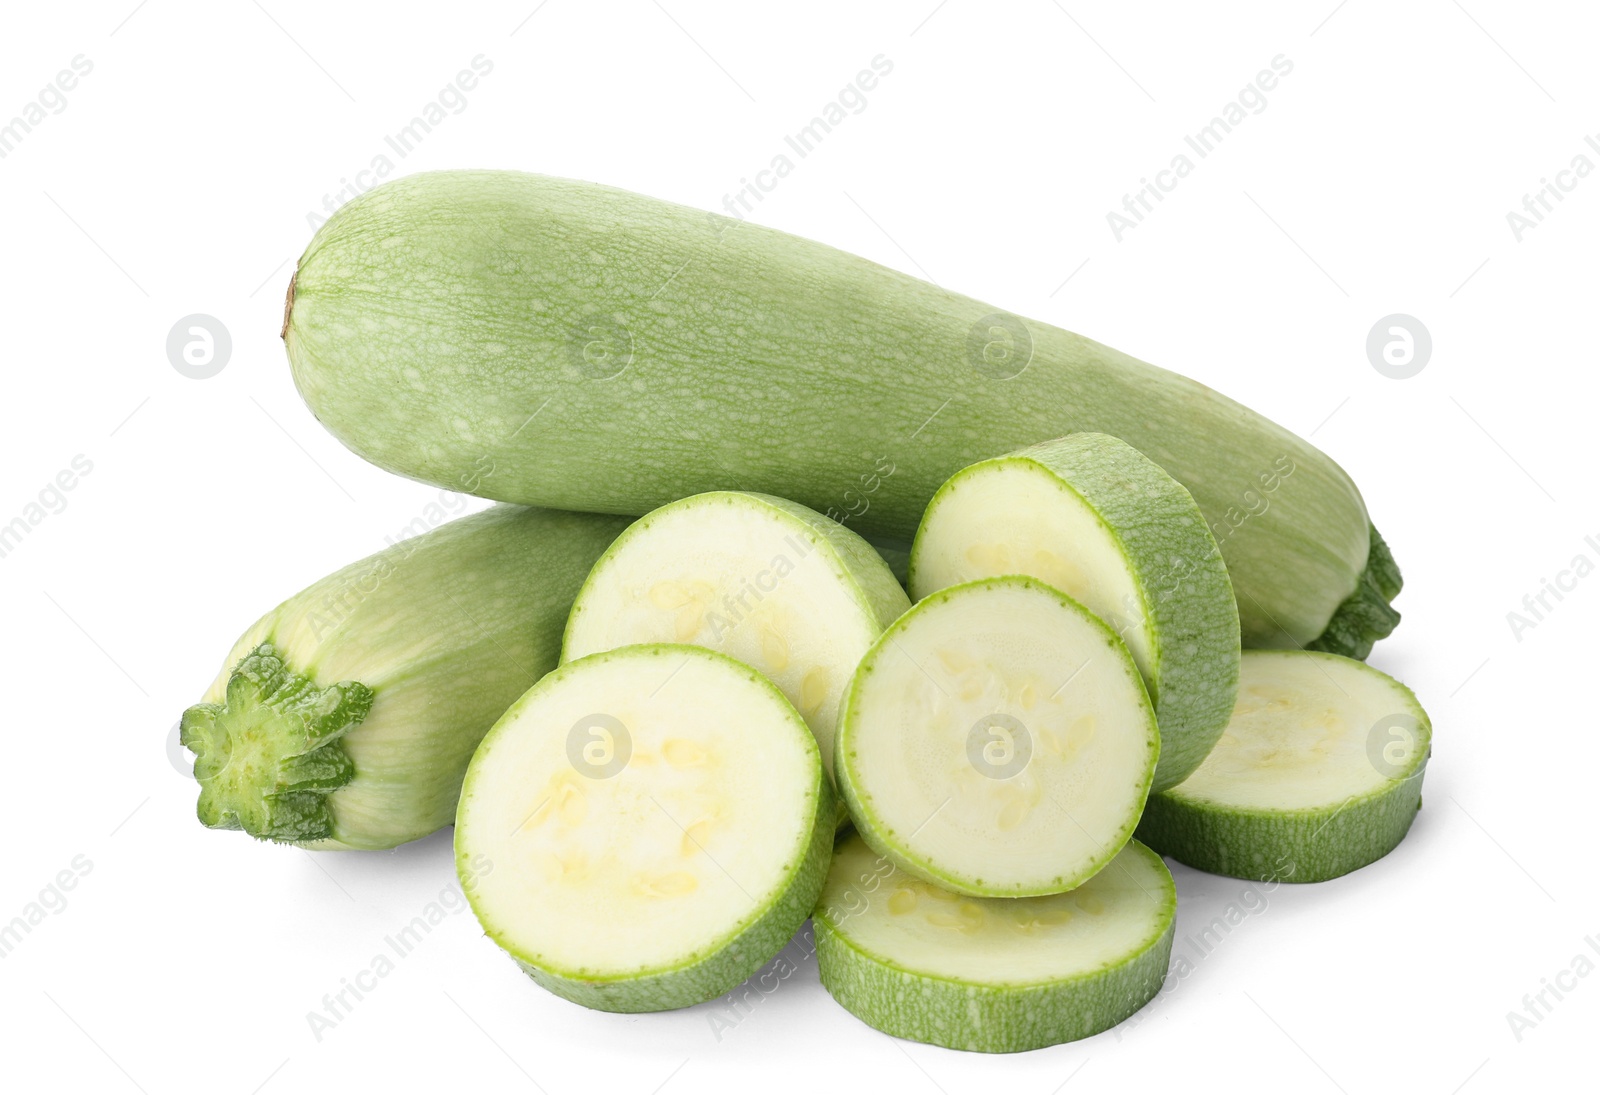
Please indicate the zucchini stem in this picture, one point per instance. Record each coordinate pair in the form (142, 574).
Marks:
(268, 757)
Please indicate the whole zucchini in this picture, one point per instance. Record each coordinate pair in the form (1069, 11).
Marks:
(610, 352)
(345, 717)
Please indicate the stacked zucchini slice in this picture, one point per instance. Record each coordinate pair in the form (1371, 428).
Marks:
(740, 677)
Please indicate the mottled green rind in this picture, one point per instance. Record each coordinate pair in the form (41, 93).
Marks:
(269, 756)
(986, 1018)
(441, 632)
(609, 351)
(1187, 603)
(706, 974)
(1292, 845)
(1365, 616)
(889, 843)
(1282, 846)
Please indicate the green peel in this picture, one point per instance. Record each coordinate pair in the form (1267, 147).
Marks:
(268, 756)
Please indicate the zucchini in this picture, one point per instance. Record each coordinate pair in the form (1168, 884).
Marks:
(345, 717)
(993, 975)
(1319, 773)
(1092, 517)
(659, 826)
(778, 586)
(997, 741)
(608, 351)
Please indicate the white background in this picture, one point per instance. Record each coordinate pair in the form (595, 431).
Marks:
(178, 179)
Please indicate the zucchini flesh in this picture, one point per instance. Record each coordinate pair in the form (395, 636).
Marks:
(345, 717)
(994, 975)
(1319, 773)
(659, 826)
(606, 351)
(778, 586)
(1092, 517)
(997, 741)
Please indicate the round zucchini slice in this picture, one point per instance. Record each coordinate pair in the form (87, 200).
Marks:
(656, 825)
(997, 741)
(994, 975)
(778, 586)
(1097, 519)
(1318, 773)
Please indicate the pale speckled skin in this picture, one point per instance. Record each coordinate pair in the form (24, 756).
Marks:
(704, 975)
(1282, 845)
(443, 319)
(1188, 607)
(1293, 845)
(446, 629)
(991, 1019)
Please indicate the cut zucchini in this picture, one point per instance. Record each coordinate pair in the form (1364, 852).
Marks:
(997, 741)
(1091, 516)
(993, 975)
(1319, 773)
(345, 717)
(659, 825)
(776, 585)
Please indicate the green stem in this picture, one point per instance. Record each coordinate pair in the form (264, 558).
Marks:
(268, 757)
(1366, 615)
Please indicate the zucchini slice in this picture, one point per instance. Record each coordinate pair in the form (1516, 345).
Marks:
(345, 717)
(776, 585)
(1319, 773)
(993, 975)
(1090, 515)
(997, 741)
(659, 825)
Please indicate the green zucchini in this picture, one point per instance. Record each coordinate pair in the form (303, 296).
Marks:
(345, 717)
(997, 741)
(659, 825)
(1319, 773)
(1092, 517)
(608, 351)
(778, 586)
(995, 975)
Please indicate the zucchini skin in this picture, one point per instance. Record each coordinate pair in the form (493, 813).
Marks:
(1283, 846)
(611, 352)
(1307, 844)
(1188, 607)
(436, 636)
(992, 1019)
